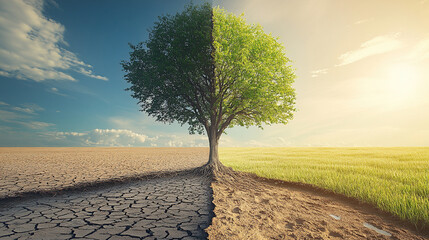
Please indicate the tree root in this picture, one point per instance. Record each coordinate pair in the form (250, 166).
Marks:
(218, 171)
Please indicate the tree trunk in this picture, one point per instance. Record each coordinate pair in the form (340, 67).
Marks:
(214, 162)
(213, 166)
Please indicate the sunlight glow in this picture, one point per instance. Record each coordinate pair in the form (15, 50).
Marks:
(403, 79)
(401, 83)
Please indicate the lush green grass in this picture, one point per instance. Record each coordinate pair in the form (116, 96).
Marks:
(394, 179)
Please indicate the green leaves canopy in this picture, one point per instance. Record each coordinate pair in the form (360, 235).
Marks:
(209, 69)
(170, 73)
(252, 71)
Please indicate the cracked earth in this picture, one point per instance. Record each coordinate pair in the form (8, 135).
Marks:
(24, 170)
(175, 207)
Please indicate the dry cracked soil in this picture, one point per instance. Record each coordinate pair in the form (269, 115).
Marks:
(103, 193)
(24, 170)
(174, 207)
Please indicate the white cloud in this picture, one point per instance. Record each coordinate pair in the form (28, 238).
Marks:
(3, 104)
(175, 143)
(151, 128)
(29, 108)
(4, 74)
(124, 138)
(22, 119)
(24, 116)
(377, 45)
(8, 116)
(36, 124)
(71, 134)
(56, 91)
(31, 45)
(319, 72)
(88, 72)
(24, 110)
(102, 137)
(114, 137)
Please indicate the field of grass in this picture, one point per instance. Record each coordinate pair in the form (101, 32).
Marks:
(394, 179)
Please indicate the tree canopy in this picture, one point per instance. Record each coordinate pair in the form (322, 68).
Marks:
(170, 73)
(211, 70)
(252, 72)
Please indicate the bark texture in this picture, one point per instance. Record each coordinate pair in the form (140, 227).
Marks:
(214, 167)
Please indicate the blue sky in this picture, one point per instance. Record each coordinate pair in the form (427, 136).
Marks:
(361, 73)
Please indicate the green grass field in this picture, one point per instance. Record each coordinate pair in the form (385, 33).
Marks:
(394, 179)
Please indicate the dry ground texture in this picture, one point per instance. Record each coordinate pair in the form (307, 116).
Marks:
(248, 207)
(46, 169)
(170, 207)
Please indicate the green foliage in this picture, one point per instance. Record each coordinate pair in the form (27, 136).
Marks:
(170, 73)
(252, 73)
(211, 70)
(393, 179)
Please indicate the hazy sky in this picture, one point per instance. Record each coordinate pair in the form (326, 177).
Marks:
(362, 75)
(362, 67)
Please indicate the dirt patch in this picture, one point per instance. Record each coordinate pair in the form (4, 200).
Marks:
(24, 170)
(247, 207)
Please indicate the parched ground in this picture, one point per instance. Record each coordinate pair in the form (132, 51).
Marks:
(44, 169)
(248, 207)
(169, 207)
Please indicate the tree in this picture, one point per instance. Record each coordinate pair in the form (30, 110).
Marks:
(209, 69)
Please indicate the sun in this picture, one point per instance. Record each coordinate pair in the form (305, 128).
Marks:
(401, 82)
(402, 79)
